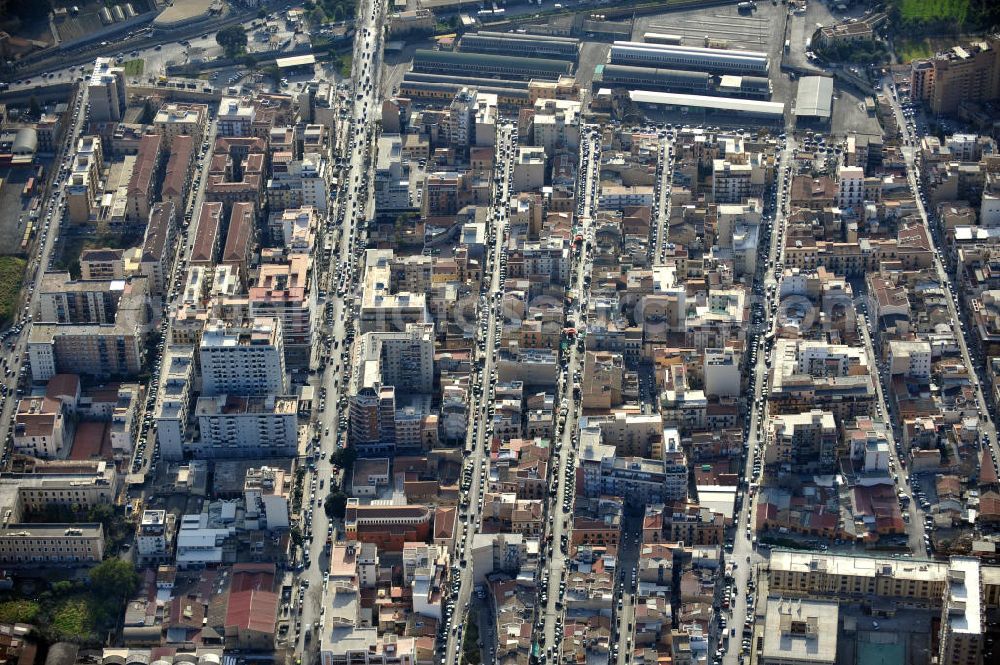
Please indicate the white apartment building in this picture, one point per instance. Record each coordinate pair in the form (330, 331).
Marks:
(235, 117)
(732, 183)
(529, 169)
(484, 119)
(722, 372)
(154, 540)
(240, 426)
(174, 402)
(850, 188)
(106, 91)
(910, 358)
(392, 175)
(302, 182)
(265, 492)
(557, 124)
(175, 119)
(618, 197)
(243, 359)
(401, 359)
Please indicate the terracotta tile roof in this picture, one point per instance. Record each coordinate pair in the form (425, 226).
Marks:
(145, 164)
(207, 235)
(252, 610)
(241, 225)
(444, 522)
(178, 165)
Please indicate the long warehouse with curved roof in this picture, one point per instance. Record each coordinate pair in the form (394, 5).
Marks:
(715, 61)
(493, 66)
(651, 78)
(504, 43)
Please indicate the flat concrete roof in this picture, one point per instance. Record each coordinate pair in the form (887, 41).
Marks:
(815, 97)
(296, 61)
(753, 106)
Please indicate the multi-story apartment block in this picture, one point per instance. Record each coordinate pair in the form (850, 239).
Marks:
(106, 91)
(39, 427)
(392, 176)
(287, 291)
(177, 176)
(960, 74)
(235, 118)
(803, 442)
(610, 467)
(734, 182)
(911, 358)
(962, 614)
(173, 404)
(154, 539)
(810, 374)
(159, 248)
(141, 193)
(175, 119)
(83, 183)
(556, 124)
(265, 493)
(62, 299)
(300, 182)
(241, 426)
(603, 379)
(243, 359)
(528, 174)
(401, 359)
(99, 349)
(851, 189)
(722, 372)
(383, 310)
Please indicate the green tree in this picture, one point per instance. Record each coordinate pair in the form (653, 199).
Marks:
(335, 505)
(114, 579)
(233, 40)
(103, 513)
(261, 13)
(344, 457)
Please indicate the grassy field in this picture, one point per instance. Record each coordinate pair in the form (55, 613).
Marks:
(71, 618)
(19, 611)
(344, 65)
(11, 275)
(135, 67)
(934, 10)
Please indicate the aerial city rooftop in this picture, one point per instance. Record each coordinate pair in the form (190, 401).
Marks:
(524, 333)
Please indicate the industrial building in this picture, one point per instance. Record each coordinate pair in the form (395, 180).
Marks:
(715, 61)
(678, 80)
(492, 66)
(441, 87)
(745, 109)
(814, 98)
(652, 78)
(535, 46)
